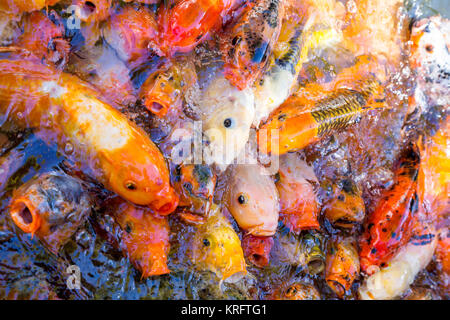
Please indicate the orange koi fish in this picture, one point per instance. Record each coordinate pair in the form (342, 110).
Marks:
(389, 226)
(252, 199)
(132, 32)
(164, 89)
(299, 208)
(100, 139)
(248, 42)
(43, 36)
(143, 236)
(301, 121)
(257, 249)
(346, 208)
(342, 265)
(185, 23)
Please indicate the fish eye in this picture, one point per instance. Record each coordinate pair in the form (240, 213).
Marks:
(236, 40)
(341, 197)
(429, 48)
(228, 123)
(291, 291)
(206, 242)
(131, 185)
(242, 199)
(128, 228)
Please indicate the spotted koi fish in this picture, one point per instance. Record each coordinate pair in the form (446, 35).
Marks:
(390, 225)
(301, 121)
(248, 43)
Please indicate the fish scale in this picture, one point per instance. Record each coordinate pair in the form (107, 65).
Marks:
(342, 108)
(338, 111)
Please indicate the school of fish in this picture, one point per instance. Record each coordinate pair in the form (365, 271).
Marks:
(239, 138)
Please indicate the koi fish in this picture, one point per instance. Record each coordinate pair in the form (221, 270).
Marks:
(257, 249)
(433, 181)
(132, 32)
(69, 112)
(44, 36)
(227, 114)
(52, 207)
(389, 226)
(433, 187)
(216, 247)
(252, 199)
(164, 89)
(195, 185)
(185, 23)
(249, 41)
(290, 53)
(301, 121)
(143, 236)
(399, 273)
(304, 250)
(346, 207)
(298, 201)
(342, 265)
(297, 291)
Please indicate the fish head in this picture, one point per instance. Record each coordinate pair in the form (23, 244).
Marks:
(140, 175)
(247, 53)
(300, 291)
(217, 248)
(163, 90)
(93, 10)
(252, 199)
(26, 214)
(342, 265)
(257, 249)
(52, 206)
(195, 184)
(276, 135)
(228, 116)
(346, 209)
(430, 53)
(145, 238)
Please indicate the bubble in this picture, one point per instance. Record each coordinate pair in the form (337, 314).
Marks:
(68, 148)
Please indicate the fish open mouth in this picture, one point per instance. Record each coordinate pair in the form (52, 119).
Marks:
(259, 260)
(316, 265)
(167, 205)
(337, 287)
(24, 215)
